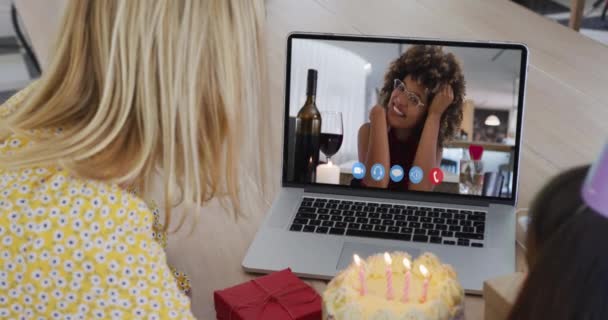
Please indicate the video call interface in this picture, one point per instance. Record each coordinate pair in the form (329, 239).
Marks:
(404, 117)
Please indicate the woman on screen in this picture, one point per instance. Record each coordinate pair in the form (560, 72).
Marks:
(420, 109)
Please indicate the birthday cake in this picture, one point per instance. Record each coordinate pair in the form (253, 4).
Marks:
(392, 286)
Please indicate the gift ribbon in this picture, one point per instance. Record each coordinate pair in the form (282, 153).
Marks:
(273, 296)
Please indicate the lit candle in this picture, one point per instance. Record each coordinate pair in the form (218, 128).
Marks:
(363, 286)
(408, 275)
(425, 287)
(389, 276)
(328, 173)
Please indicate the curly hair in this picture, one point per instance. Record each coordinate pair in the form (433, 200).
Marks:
(431, 67)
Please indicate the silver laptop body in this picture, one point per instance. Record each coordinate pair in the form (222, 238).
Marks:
(488, 252)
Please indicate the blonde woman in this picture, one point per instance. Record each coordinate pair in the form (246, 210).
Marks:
(135, 89)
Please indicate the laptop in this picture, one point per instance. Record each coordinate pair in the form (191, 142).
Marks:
(364, 199)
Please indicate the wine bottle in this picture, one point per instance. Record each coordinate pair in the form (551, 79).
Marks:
(308, 132)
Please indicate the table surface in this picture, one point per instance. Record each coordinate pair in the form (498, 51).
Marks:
(565, 112)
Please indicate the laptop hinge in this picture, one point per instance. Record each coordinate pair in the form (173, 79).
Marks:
(410, 196)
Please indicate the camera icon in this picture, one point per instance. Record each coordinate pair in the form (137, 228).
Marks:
(358, 170)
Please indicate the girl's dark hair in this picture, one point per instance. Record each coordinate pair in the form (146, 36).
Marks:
(430, 66)
(567, 256)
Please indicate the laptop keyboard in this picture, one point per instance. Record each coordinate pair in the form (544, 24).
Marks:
(387, 221)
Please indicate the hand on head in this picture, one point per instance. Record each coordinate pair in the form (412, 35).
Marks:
(442, 100)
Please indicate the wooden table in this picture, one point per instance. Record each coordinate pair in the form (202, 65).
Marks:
(565, 116)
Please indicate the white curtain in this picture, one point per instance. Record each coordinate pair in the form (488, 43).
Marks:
(340, 87)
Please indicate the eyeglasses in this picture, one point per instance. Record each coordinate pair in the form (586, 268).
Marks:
(411, 97)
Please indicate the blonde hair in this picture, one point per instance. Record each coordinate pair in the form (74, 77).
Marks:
(138, 85)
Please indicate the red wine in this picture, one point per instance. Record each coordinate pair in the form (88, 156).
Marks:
(330, 143)
(308, 131)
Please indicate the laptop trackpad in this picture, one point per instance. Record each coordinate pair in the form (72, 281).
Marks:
(365, 250)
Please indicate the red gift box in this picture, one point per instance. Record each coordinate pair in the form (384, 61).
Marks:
(280, 295)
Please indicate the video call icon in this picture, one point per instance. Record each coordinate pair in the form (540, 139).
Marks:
(377, 172)
(416, 175)
(358, 170)
(396, 173)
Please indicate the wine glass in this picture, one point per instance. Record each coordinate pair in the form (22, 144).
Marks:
(332, 132)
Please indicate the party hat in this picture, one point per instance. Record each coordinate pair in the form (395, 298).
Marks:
(595, 187)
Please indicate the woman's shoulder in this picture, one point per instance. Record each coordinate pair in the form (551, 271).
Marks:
(13, 143)
(67, 207)
(55, 189)
(10, 142)
(10, 105)
(364, 129)
(104, 199)
(365, 126)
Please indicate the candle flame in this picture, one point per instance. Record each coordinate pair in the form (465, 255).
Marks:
(407, 263)
(387, 258)
(424, 271)
(357, 260)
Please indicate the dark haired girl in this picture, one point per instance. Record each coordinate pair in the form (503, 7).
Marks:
(567, 255)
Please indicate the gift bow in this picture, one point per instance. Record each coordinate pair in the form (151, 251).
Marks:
(274, 296)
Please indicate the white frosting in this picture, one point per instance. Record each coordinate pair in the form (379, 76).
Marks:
(413, 314)
(382, 314)
(352, 311)
(342, 298)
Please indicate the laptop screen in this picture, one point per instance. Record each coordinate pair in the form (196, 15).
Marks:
(404, 115)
